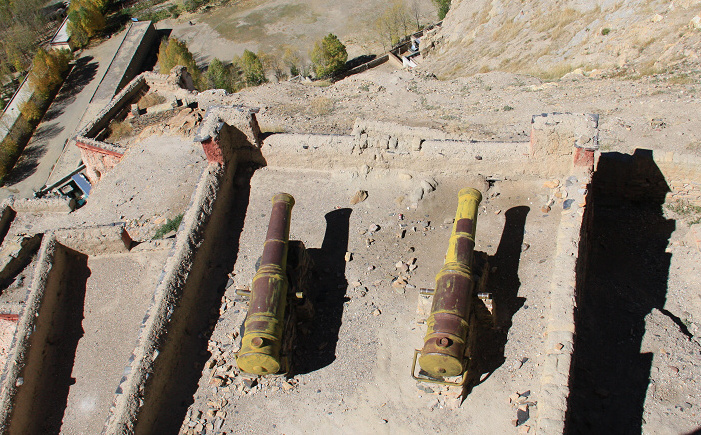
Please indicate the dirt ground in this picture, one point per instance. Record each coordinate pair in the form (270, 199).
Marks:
(271, 26)
(352, 363)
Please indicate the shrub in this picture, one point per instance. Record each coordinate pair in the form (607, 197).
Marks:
(328, 56)
(443, 8)
(605, 31)
(170, 225)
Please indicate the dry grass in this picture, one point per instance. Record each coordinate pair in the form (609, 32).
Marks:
(556, 72)
(150, 100)
(556, 21)
(119, 130)
(682, 79)
(648, 68)
(321, 106)
(508, 31)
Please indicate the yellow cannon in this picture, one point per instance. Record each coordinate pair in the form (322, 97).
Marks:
(453, 310)
(264, 326)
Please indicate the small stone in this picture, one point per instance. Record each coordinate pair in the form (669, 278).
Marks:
(374, 228)
(448, 221)
(551, 184)
(524, 429)
(217, 381)
(356, 284)
(211, 363)
(559, 346)
(370, 268)
(399, 264)
(199, 427)
(349, 256)
(497, 211)
(545, 209)
(287, 386)
(514, 397)
(250, 382)
(401, 234)
(674, 369)
(514, 422)
(359, 196)
(413, 267)
(377, 312)
(524, 247)
(561, 194)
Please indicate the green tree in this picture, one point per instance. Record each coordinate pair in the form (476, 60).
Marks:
(221, 76)
(252, 68)
(173, 52)
(328, 56)
(443, 7)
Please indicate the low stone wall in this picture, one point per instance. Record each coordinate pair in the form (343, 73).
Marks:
(96, 240)
(570, 255)
(44, 205)
(340, 151)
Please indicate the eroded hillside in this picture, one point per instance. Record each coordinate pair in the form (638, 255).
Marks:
(550, 39)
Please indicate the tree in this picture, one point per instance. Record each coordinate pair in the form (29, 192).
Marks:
(328, 56)
(86, 20)
(443, 7)
(252, 67)
(173, 52)
(393, 23)
(416, 13)
(292, 61)
(48, 69)
(221, 76)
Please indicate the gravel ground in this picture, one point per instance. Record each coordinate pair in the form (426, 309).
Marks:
(352, 367)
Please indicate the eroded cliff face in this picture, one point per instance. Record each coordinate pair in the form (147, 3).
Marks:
(551, 38)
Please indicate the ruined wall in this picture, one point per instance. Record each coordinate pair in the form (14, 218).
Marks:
(97, 162)
(177, 294)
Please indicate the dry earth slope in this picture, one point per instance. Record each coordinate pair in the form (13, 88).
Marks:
(551, 38)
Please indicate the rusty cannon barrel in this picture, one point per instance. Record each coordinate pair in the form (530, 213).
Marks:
(264, 324)
(443, 353)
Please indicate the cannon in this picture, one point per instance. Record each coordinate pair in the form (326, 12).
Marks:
(276, 294)
(454, 311)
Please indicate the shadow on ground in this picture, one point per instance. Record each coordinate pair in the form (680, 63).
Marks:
(41, 402)
(625, 278)
(488, 352)
(317, 339)
(83, 73)
(28, 162)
